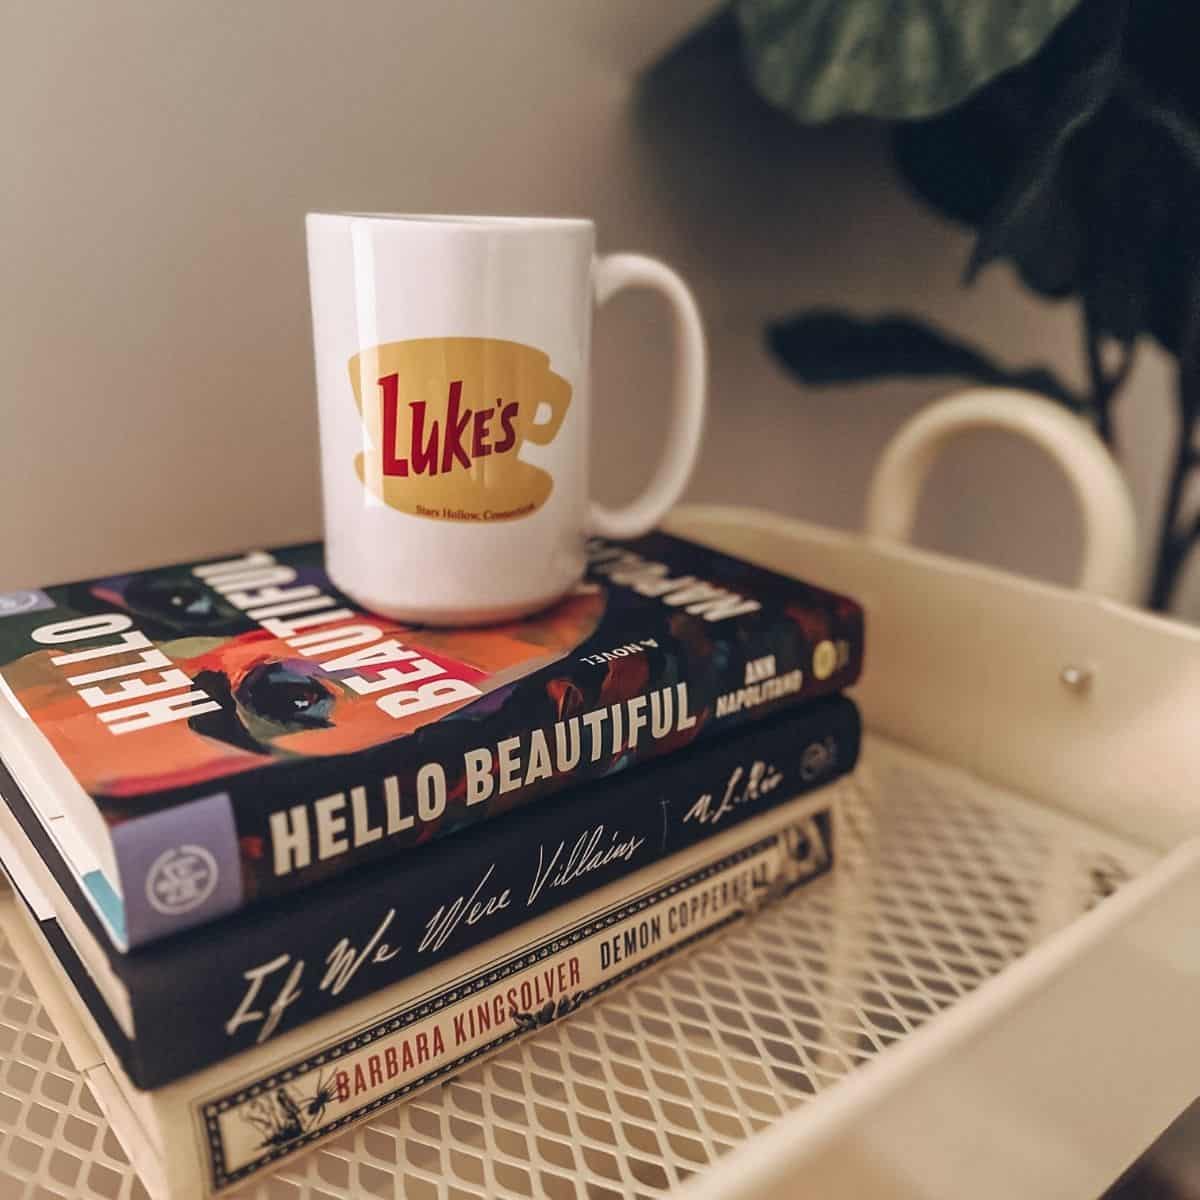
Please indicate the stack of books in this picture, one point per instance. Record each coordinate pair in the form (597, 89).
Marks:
(290, 861)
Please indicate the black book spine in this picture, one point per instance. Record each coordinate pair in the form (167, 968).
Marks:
(279, 966)
(407, 794)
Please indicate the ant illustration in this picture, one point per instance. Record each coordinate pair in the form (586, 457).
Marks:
(315, 1106)
(282, 1117)
(547, 1013)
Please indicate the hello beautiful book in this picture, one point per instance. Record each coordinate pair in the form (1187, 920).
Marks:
(201, 736)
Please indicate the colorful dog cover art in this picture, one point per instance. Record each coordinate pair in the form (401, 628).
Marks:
(242, 718)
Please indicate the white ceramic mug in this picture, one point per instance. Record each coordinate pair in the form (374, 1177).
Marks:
(452, 358)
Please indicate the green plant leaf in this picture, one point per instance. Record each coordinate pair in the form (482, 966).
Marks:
(823, 346)
(1036, 221)
(897, 59)
(1082, 167)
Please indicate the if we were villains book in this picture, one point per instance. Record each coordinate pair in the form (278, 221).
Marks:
(203, 736)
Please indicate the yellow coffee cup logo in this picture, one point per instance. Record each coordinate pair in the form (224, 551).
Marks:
(445, 420)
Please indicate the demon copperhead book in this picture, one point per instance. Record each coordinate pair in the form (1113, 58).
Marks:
(207, 734)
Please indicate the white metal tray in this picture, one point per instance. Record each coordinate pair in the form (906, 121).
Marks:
(993, 995)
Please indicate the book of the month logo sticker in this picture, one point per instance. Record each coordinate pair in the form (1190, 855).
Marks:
(180, 866)
(446, 420)
(181, 879)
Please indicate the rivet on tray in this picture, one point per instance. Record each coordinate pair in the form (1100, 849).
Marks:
(1077, 679)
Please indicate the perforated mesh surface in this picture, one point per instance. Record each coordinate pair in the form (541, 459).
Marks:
(940, 883)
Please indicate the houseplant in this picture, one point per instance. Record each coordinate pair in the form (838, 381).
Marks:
(1066, 134)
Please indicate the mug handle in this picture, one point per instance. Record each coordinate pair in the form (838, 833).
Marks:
(1109, 521)
(611, 273)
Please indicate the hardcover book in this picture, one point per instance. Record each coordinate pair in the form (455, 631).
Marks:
(270, 969)
(211, 734)
(224, 1125)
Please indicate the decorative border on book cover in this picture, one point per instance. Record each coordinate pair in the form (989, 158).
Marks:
(246, 1129)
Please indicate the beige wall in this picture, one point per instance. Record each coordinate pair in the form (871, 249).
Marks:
(155, 375)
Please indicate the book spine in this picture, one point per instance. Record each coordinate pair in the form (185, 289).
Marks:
(321, 818)
(273, 970)
(267, 833)
(251, 1125)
